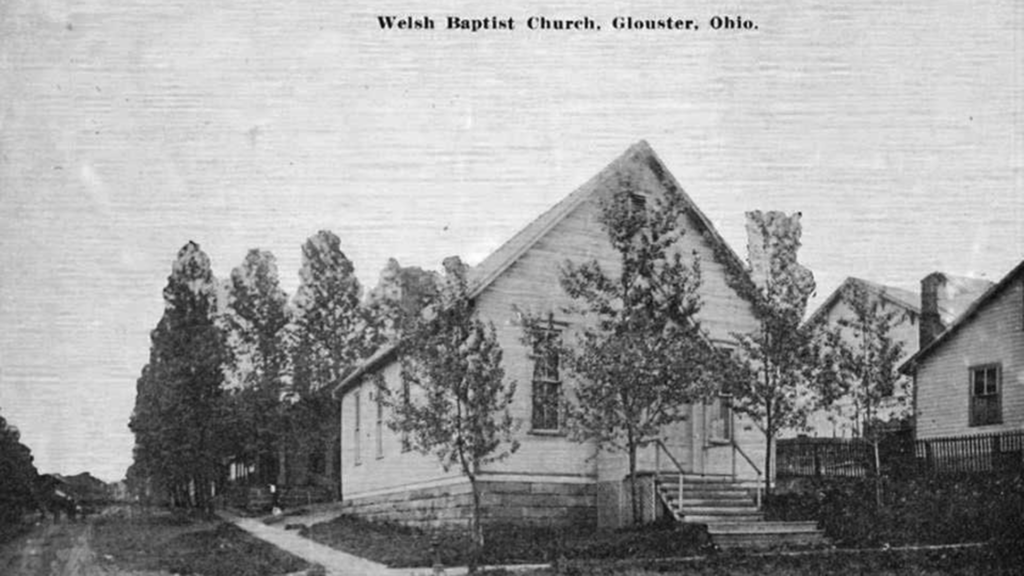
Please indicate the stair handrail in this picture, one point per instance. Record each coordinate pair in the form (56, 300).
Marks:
(660, 447)
(737, 448)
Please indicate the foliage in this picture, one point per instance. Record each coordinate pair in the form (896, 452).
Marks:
(458, 403)
(640, 354)
(257, 359)
(400, 296)
(919, 510)
(179, 414)
(868, 357)
(18, 475)
(329, 333)
(780, 364)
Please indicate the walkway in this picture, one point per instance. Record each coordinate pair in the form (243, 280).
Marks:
(335, 562)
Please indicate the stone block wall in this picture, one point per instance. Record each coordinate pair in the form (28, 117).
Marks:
(518, 503)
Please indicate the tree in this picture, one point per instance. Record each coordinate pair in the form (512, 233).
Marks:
(18, 476)
(400, 296)
(644, 356)
(179, 414)
(868, 361)
(780, 365)
(458, 403)
(330, 331)
(257, 358)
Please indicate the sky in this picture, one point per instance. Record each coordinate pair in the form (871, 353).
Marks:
(129, 128)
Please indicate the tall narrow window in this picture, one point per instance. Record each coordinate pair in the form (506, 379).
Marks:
(406, 399)
(986, 405)
(719, 414)
(357, 432)
(547, 381)
(380, 425)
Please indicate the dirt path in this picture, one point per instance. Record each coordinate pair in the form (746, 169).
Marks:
(57, 549)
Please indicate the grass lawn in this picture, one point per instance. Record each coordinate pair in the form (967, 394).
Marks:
(986, 560)
(399, 546)
(160, 540)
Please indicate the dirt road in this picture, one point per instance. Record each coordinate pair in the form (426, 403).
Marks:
(57, 549)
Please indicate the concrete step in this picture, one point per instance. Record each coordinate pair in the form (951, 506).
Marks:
(712, 502)
(762, 541)
(690, 518)
(762, 534)
(765, 527)
(708, 494)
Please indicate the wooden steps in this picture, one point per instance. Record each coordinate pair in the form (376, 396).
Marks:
(729, 510)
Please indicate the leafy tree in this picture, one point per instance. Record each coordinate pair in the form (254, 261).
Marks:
(330, 331)
(179, 412)
(780, 364)
(643, 356)
(868, 360)
(400, 296)
(257, 358)
(18, 475)
(458, 404)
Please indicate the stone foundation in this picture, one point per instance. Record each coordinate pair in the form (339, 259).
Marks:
(519, 503)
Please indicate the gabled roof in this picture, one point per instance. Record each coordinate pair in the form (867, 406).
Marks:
(910, 365)
(493, 266)
(905, 299)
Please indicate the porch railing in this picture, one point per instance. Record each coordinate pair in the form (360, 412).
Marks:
(659, 448)
(736, 448)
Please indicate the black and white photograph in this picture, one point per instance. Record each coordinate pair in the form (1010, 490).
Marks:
(295, 287)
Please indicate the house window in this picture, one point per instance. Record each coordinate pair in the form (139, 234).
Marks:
(380, 426)
(985, 395)
(406, 399)
(547, 381)
(720, 421)
(358, 427)
(637, 202)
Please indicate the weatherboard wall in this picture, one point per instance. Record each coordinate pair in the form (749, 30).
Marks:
(995, 335)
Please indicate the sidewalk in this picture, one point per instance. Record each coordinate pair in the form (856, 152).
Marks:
(335, 562)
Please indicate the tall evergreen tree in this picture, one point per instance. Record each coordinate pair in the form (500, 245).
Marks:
(258, 363)
(329, 333)
(179, 415)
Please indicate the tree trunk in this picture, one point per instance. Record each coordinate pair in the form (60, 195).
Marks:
(769, 436)
(477, 527)
(633, 488)
(878, 475)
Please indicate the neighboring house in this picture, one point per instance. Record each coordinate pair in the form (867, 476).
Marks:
(969, 374)
(845, 419)
(550, 479)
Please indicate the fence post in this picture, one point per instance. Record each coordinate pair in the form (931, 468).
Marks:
(816, 459)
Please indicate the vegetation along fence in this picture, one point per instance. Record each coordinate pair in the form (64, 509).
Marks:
(900, 455)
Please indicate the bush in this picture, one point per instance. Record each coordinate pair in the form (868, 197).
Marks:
(920, 510)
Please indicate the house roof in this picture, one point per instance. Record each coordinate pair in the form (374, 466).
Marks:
(910, 365)
(487, 271)
(905, 299)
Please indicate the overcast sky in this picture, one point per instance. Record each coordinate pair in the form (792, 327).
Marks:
(129, 128)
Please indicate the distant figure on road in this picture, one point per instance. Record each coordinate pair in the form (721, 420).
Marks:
(275, 508)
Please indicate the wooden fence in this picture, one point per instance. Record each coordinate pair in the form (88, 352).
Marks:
(971, 454)
(899, 455)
